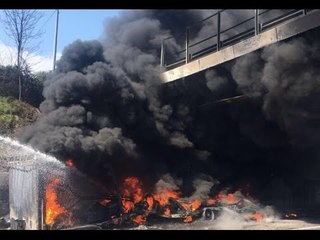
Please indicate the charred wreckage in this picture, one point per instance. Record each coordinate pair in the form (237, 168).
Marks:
(67, 200)
(47, 194)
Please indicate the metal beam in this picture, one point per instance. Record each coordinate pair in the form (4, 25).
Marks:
(256, 22)
(218, 30)
(162, 54)
(187, 44)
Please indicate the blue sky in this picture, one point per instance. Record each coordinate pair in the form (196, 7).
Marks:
(73, 25)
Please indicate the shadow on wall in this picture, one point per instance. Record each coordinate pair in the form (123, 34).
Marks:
(4, 193)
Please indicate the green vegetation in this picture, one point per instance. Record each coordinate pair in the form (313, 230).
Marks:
(14, 114)
(32, 84)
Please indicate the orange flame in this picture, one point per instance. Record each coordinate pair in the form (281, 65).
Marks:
(191, 206)
(230, 199)
(104, 202)
(195, 205)
(53, 208)
(139, 219)
(211, 201)
(164, 194)
(127, 205)
(132, 188)
(188, 219)
(132, 193)
(256, 216)
(150, 202)
(227, 198)
(69, 163)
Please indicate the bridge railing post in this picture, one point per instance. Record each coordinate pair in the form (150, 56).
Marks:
(218, 30)
(162, 53)
(256, 22)
(187, 43)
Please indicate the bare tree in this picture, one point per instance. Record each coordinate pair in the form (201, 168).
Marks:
(21, 27)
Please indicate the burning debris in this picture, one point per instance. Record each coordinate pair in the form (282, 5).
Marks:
(139, 206)
(136, 203)
(55, 213)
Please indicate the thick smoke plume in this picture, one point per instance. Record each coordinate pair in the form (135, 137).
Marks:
(104, 103)
(106, 108)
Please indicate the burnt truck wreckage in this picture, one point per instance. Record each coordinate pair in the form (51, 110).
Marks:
(178, 214)
(47, 194)
(132, 206)
(174, 211)
(141, 215)
(44, 193)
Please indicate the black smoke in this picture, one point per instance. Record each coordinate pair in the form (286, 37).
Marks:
(106, 108)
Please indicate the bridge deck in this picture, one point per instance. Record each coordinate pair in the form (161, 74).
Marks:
(279, 32)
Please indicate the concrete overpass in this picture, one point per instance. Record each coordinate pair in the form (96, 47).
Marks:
(262, 28)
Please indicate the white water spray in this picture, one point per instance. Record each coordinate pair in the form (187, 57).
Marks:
(13, 151)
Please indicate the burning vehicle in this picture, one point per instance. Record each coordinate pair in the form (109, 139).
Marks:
(47, 194)
(139, 208)
(63, 198)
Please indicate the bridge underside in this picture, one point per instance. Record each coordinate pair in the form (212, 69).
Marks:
(280, 32)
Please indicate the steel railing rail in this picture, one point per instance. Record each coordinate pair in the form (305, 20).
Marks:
(256, 29)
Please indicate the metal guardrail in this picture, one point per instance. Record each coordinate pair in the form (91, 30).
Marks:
(256, 28)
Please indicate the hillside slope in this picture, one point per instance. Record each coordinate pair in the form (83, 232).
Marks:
(14, 115)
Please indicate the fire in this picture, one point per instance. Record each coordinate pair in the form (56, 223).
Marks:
(69, 162)
(53, 208)
(256, 216)
(104, 202)
(138, 204)
(150, 202)
(165, 200)
(227, 198)
(211, 201)
(193, 206)
(127, 205)
(188, 219)
(140, 219)
(221, 197)
(132, 193)
(164, 194)
(231, 198)
(132, 188)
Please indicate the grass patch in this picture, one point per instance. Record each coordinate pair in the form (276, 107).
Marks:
(13, 114)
